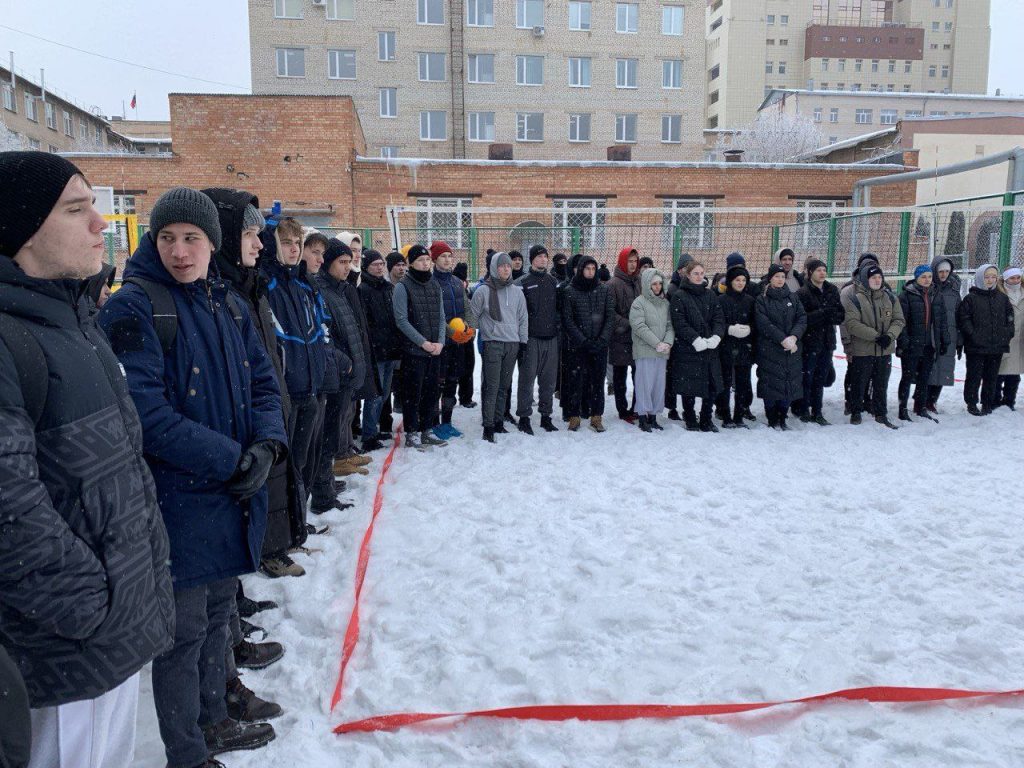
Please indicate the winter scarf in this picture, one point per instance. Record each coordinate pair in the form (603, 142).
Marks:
(495, 283)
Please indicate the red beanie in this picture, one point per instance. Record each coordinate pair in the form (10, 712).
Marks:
(438, 247)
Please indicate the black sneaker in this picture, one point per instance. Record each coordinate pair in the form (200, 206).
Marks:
(246, 707)
(249, 629)
(248, 607)
(821, 421)
(257, 655)
(230, 735)
(469, 404)
(373, 444)
(499, 429)
(974, 410)
(524, 426)
(547, 425)
(806, 418)
(884, 421)
(748, 415)
(855, 418)
(673, 414)
(708, 426)
(509, 417)
(904, 414)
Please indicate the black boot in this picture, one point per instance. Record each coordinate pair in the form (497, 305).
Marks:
(780, 417)
(489, 434)
(921, 411)
(653, 421)
(904, 414)
(257, 655)
(247, 607)
(499, 428)
(546, 425)
(855, 418)
(644, 423)
(773, 417)
(973, 410)
(707, 424)
(246, 707)
(820, 420)
(673, 414)
(524, 426)
(690, 420)
(748, 415)
(883, 419)
(230, 735)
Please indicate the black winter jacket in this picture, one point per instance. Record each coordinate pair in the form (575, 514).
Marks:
(588, 314)
(985, 319)
(824, 312)
(925, 315)
(351, 344)
(541, 292)
(779, 371)
(696, 312)
(737, 309)
(385, 339)
(85, 591)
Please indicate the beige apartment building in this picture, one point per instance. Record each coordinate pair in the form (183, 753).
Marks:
(845, 115)
(880, 46)
(554, 79)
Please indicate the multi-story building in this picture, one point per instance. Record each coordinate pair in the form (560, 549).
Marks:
(147, 137)
(45, 121)
(448, 78)
(844, 115)
(882, 46)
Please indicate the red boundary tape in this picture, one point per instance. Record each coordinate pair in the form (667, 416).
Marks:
(352, 631)
(618, 712)
(596, 712)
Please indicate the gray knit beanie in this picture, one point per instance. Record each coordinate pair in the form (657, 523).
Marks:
(251, 217)
(182, 205)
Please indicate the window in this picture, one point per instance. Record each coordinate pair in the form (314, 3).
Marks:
(948, 26)
(124, 205)
(30, 107)
(907, 67)
(695, 220)
(430, 11)
(52, 149)
(671, 20)
(529, 13)
(9, 99)
(579, 72)
(833, 115)
(579, 127)
(432, 69)
(784, 41)
(445, 218)
(83, 130)
(945, 74)
(770, 41)
(480, 68)
(912, 113)
(627, 17)
(855, 87)
(385, 46)
(625, 128)
(434, 125)
(530, 126)
(887, 117)
(840, 65)
(341, 65)
(288, 9)
(937, 113)
(671, 129)
(291, 62)
(770, 18)
(858, 65)
(672, 74)
(874, 65)
(932, 70)
(587, 216)
(812, 220)
(33, 144)
(892, 66)
(817, 114)
(625, 73)
(935, 26)
(782, 67)
(340, 10)
(579, 16)
(863, 116)
(481, 126)
(784, 20)
(51, 115)
(480, 13)
(529, 70)
(97, 135)
(389, 152)
(824, 65)
(69, 126)
(769, 67)
(388, 102)
(713, 73)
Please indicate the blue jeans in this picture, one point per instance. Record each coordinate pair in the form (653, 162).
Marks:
(189, 679)
(371, 408)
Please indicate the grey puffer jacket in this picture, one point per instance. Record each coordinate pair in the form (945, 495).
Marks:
(649, 318)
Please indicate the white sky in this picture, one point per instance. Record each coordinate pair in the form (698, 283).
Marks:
(209, 39)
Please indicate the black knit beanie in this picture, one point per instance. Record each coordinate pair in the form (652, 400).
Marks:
(394, 258)
(370, 256)
(461, 271)
(335, 248)
(31, 183)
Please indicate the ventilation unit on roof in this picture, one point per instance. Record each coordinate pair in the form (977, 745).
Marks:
(538, 31)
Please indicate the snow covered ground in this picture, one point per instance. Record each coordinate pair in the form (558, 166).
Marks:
(668, 568)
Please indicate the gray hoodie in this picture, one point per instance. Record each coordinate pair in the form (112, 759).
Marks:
(514, 324)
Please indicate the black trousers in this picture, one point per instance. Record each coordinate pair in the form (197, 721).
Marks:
(468, 366)
(1006, 391)
(619, 373)
(983, 372)
(734, 377)
(585, 386)
(421, 379)
(874, 372)
(450, 373)
(817, 368)
(917, 369)
(690, 412)
(305, 423)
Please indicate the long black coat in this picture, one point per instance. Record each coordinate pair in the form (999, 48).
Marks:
(919, 335)
(985, 319)
(779, 372)
(696, 312)
(588, 314)
(824, 312)
(737, 308)
(385, 338)
(348, 330)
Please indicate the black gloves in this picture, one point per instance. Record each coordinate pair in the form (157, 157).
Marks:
(254, 466)
(883, 340)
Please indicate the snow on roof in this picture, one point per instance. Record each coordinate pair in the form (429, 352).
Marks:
(775, 93)
(848, 142)
(415, 162)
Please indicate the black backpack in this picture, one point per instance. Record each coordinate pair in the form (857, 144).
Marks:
(165, 314)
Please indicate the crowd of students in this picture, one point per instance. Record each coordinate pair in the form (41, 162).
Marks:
(159, 441)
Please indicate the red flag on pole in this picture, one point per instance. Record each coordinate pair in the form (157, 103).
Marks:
(133, 101)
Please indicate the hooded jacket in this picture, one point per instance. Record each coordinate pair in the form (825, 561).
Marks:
(868, 314)
(376, 295)
(985, 318)
(1013, 361)
(779, 371)
(649, 319)
(794, 279)
(85, 593)
(925, 319)
(696, 312)
(624, 288)
(588, 311)
(514, 325)
(94, 285)
(949, 290)
(738, 309)
(213, 395)
(349, 339)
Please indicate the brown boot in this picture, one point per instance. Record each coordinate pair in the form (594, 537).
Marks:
(344, 468)
(358, 459)
(574, 423)
(595, 424)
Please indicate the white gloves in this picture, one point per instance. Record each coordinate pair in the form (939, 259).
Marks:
(739, 330)
(700, 344)
(714, 341)
(662, 348)
(789, 344)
